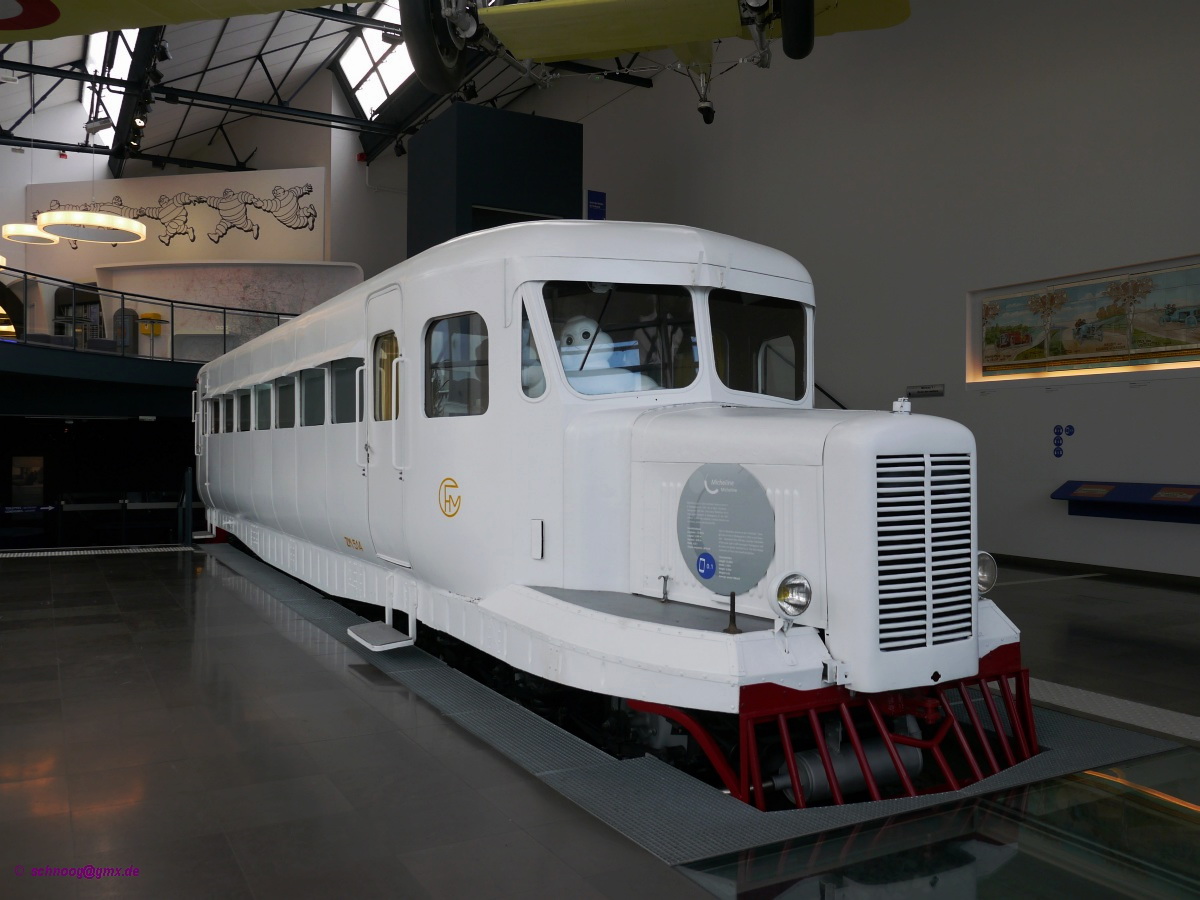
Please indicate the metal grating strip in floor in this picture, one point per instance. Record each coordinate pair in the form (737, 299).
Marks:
(98, 551)
(537, 746)
(669, 813)
(1114, 709)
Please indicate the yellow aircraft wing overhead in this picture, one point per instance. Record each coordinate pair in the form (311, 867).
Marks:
(588, 29)
(552, 30)
(36, 20)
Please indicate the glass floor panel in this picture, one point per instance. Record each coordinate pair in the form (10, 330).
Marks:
(1131, 830)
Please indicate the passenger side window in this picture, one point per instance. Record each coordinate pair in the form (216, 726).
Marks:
(312, 397)
(262, 404)
(227, 416)
(456, 360)
(759, 343)
(777, 359)
(342, 376)
(243, 410)
(386, 392)
(285, 402)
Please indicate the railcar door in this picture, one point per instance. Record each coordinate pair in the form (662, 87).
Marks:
(387, 440)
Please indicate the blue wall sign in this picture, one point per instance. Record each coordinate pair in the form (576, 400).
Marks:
(597, 205)
(706, 566)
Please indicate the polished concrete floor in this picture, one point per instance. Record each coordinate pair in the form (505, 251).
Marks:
(154, 714)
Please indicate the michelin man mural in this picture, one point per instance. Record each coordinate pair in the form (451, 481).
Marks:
(285, 206)
(172, 213)
(231, 208)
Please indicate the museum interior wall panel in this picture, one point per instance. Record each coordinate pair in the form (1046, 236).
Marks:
(268, 286)
(968, 148)
(290, 287)
(368, 208)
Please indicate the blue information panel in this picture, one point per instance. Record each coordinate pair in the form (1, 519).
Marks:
(597, 205)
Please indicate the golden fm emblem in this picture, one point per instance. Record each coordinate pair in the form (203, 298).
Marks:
(449, 499)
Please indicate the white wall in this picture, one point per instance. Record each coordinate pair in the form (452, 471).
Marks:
(973, 146)
(368, 205)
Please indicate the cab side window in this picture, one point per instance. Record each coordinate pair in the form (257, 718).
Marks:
(386, 391)
(456, 366)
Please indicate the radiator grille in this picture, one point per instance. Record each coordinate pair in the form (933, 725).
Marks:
(923, 528)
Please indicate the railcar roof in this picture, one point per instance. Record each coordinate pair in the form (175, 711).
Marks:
(613, 240)
(570, 238)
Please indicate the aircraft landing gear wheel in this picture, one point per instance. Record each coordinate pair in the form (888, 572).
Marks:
(799, 21)
(438, 52)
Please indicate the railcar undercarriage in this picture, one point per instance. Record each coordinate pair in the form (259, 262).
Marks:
(789, 748)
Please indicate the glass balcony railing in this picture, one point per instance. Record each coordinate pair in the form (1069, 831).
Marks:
(49, 312)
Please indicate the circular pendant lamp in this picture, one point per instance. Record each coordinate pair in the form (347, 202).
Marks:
(25, 233)
(94, 227)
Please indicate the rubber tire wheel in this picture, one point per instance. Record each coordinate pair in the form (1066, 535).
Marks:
(799, 20)
(439, 62)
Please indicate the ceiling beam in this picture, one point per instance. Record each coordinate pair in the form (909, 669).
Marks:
(68, 71)
(350, 19)
(175, 95)
(145, 55)
(9, 140)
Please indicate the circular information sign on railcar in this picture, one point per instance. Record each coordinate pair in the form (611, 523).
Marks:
(726, 528)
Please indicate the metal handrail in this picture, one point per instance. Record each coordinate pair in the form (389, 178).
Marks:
(263, 320)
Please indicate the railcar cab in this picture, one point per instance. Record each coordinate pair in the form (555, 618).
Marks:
(527, 404)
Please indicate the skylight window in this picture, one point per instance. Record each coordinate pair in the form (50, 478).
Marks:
(373, 65)
(110, 102)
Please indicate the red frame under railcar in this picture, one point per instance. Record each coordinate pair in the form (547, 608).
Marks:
(772, 703)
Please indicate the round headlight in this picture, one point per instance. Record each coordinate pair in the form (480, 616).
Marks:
(986, 572)
(794, 596)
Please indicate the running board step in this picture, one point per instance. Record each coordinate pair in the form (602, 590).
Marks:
(379, 636)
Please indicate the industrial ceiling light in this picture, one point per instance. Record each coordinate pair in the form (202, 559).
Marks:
(139, 121)
(154, 75)
(164, 52)
(27, 233)
(394, 38)
(93, 227)
(100, 123)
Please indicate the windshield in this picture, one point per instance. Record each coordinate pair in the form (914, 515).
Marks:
(617, 338)
(758, 343)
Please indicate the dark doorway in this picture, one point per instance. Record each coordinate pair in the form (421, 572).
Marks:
(83, 482)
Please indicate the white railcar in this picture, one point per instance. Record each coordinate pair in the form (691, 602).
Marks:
(528, 438)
